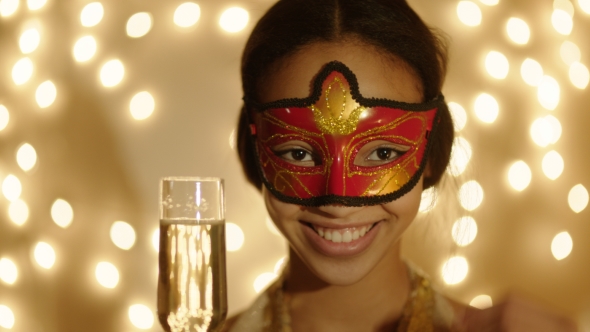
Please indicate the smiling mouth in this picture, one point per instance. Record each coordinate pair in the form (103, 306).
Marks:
(343, 235)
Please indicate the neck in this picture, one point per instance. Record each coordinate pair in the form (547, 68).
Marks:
(373, 303)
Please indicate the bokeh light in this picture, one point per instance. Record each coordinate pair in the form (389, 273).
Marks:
(458, 114)
(122, 235)
(486, 108)
(578, 198)
(490, 2)
(280, 265)
(44, 255)
(8, 271)
(263, 280)
(107, 274)
(141, 316)
(548, 92)
(552, 165)
(584, 5)
(531, 72)
(497, 65)
(518, 30)
(46, 94)
(142, 105)
(8, 7)
(464, 231)
(469, 13)
(481, 302)
(555, 128)
(562, 245)
(29, 40)
(92, 14)
(234, 19)
(11, 187)
(579, 75)
(471, 195)
(22, 71)
(232, 140)
(112, 73)
(187, 14)
(139, 25)
(570, 52)
(36, 4)
(455, 270)
(562, 22)
(26, 157)
(156, 239)
(6, 316)
(84, 49)
(519, 175)
(428, 200)
(4, 117)
(565, 5)
(18, 212)
(234, 237)
(542, 132)
(62, 213)
(460, 156)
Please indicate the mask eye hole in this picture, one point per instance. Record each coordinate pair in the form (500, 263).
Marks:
(298, 153)
(380, 152)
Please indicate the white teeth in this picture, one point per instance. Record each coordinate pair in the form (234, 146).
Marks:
(342, 235)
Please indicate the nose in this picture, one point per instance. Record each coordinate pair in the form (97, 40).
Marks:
(337, 210)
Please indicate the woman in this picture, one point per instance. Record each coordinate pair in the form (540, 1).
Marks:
(344, 125)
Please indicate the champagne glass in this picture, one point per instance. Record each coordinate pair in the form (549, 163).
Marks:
(192, 291)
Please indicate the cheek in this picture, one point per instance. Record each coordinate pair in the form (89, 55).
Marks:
(406, 207)
(280, 212)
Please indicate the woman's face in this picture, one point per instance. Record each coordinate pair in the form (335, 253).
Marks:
(341, 244)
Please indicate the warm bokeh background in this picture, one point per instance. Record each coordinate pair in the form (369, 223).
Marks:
(92, 153)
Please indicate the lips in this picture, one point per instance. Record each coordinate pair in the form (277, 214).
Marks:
(340, 242)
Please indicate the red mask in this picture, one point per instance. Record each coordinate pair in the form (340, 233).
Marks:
(338, 147)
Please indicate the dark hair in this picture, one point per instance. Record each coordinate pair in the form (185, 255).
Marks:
(389, 25)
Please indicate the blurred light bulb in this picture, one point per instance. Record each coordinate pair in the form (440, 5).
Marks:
(139, 25)
(458, 115)
(518, 30)
(562, 245)
(8, 271)
(531, 72)
(555, 128)
(11, 187)
(578, 198)
(84, 49)
(142, 105)
(232, 140)
(486, 108)
(428, 200)
(46, 94)
(489, 2)
(122, 235)
(263, 280)
(44, 255)
(62, 213)
(579, 75)
(548, 93)
(570, 52)
(481, 302)
(470, 195)
(141, 316)
(112, 73)
(4, 117)
(460, 156)
(584, 5)
(552, 165)
(280, 265)
(234, 19)
(464, 231)
(497, 65)
(562, 22)
(107, 274)
(22, 71)
(542, 132)
(187, 14)
(18, 212)
(36, 4)
(234, 237)
(6, 315)
(469, 13)
(565, 5)
(519, 175)
(92, 14)
(156, 239)
(29, 40)
(8, 7)
(455, 270)
(26, 157)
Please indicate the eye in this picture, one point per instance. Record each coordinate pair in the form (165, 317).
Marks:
(384, 154)
(297, 153)
(378, 153)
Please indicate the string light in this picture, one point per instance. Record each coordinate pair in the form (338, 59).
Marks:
(497, 65)
(518, 30)
(26, 157)
(141, 316)
(84, 49)
(531, 72)
(428, 200)
(44, 255)
(552, 165)
(36, 4)
(519, 175)
(542, 132)
(187, 14)
(29, 41)
(62, 213)
(486, 108)
(584, 5)
(455, 270)
(565, 5)
(139, 25)
(469, 13)
(8, 271)
(458, 114)
(111, 73)
(460, 156)
(555, 128)
(18, 212)
(570, 52)
(11, 188)
(4, 117)
(122, 235)
(22, 71)
(8, 7)
(142, 105)
(579, 75)
(578, 198)
(481, 302)
(263, 280)
(464, 231)
(562, 22)
(6, 315)
(234, 19)
(46, 94)
(92, 14)
(234, 237)
(562, 245)
(107, 275)
(470, 195)
(548, 92)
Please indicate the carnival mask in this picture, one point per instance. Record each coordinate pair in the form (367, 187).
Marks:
(338, 147)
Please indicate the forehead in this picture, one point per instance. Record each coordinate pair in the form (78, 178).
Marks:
(378, 76)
